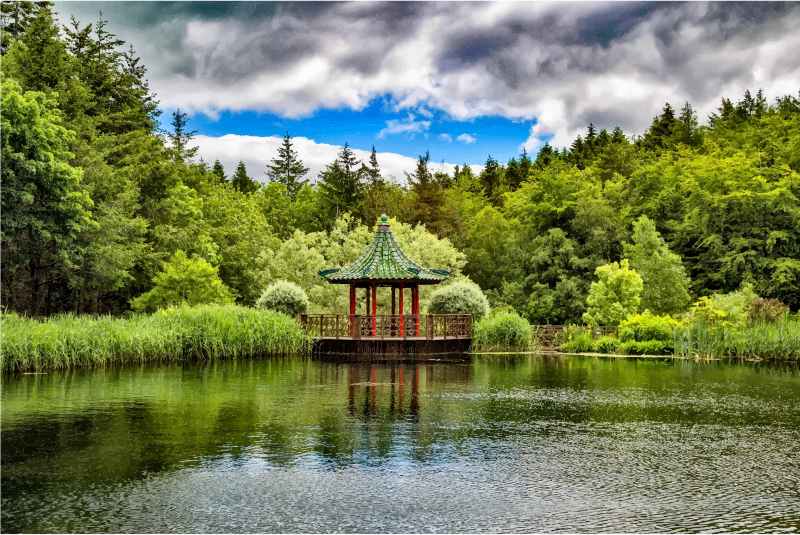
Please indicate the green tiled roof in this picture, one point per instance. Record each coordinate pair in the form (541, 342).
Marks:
(384, 259)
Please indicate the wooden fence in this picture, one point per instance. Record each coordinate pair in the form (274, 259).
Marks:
(553, 335)
(387, 326)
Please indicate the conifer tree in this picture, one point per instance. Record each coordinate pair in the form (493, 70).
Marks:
(219, 170)
(181, 137)
(342, 187)
(428, 203)
(287, 168)
(374, 169)
(16, 17)
(242, 182)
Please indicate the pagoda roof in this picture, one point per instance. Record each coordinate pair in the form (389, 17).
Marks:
(384, 261)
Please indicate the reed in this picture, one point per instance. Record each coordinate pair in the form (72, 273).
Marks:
(502, 331)
(778, 340)
(185, 333)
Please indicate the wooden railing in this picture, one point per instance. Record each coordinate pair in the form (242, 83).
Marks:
(553, 335)
(356, 327)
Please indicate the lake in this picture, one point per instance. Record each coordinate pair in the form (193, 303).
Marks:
(505, 443)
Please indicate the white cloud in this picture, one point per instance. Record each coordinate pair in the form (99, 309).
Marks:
(466, 138)
(404, 126)
(532, 61)
(446, 137)
(256, 152)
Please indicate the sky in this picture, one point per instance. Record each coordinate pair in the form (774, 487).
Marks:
(461, 80)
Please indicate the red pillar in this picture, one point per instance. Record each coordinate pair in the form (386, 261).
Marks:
(415, 307)
(401, 309)
(374, 305)
(352, 306)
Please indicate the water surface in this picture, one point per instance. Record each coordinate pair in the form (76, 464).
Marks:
(501, 443)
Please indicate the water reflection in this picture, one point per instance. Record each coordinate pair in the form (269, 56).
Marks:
(515, 442)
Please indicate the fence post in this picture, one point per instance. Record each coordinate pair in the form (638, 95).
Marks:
(429, 327)
(356, 327)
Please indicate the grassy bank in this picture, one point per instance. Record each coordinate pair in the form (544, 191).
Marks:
(779, 340)
(203, 332)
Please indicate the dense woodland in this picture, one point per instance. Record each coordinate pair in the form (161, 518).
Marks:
(97, 200)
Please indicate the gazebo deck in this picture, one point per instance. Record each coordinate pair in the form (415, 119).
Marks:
(389, 335)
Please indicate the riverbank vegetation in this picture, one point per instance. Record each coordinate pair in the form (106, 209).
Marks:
(206, 332)
(108, 208)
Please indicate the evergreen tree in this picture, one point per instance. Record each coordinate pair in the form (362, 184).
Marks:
(15, 19)
(242, 182)
(545, 156)
(287, 168)
(686, 127)
(428, 204)
(617, 136)
(660, 132)
(219, 170)
(374, 169)
(492, 178)
(342, 187)
(181, 137)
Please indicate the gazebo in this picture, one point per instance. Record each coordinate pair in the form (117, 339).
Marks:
(384, 265)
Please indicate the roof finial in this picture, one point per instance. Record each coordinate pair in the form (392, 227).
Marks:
(384, 219)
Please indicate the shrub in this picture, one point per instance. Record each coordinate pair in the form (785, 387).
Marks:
(606, 344)
(501, 331)
(768, 310)
(459, 298)
(649, 347)
(578, 339)
(285, 297)
(615, 296)
(184, 281)
(733, 305)
(646, 327)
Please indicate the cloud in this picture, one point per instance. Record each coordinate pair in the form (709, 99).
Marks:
(256, 152)
(563, 65)
(466, 138)
(446, 137)
(404, 126)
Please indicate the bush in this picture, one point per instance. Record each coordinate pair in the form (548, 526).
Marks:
(459, 298)
(578, 339)
(649, 347)
(285, 297)
(606, 344)
(768, 310)
(646, 327)
(615, 296)
(501, 331)
(184, 281)
(733, 305)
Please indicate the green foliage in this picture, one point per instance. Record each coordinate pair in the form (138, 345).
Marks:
(341, 188)
(284, 297)
(501, 331)
(645, 327)
(242, 182)
(287, 168)
(427, 197)
(615, 296)
(779, 340)
(206, 332)
(606, 345)
(734, 306)
(459, 297)
(649, 347)
(767, 310)
(666, 286)
(191, 281)
(577, 339)
(43, 211)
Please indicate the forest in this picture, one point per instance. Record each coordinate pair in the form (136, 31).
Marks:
(99, 203)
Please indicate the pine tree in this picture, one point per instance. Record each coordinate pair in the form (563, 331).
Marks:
(492, 179)
(545, 156)
(242, 182)
(660, 132)
(287, 168)
(374, 170)
(219, 170)
(686, 126)
(428, 204)
(342, 187)
(16, 17)
(617, 136)
(181, 137)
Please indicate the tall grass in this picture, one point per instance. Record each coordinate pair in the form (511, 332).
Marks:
(185, 333)
(779, 340)
(502, 331)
